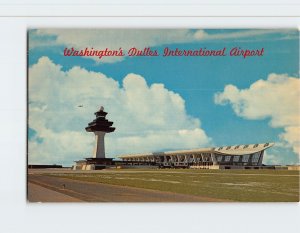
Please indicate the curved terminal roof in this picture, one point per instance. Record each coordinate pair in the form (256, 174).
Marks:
(223, 150)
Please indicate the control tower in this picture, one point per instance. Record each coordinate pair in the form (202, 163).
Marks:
(100, 126)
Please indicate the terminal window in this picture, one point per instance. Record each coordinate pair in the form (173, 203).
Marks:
(227, 158)
(255, 157)
(219, 158)
(236, 158)
(245, 158)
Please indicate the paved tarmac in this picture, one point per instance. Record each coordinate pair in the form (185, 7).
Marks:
(73, 190)
(37, 193)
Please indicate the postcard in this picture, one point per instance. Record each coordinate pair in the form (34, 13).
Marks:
(163, 115)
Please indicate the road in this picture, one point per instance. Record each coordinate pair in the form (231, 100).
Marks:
(67, 190)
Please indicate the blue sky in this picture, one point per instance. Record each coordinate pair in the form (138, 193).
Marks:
(248, 113)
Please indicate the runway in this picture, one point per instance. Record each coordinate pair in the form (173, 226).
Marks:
(67, 190)
(37, 193)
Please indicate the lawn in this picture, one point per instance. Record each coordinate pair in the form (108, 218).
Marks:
(232, 185)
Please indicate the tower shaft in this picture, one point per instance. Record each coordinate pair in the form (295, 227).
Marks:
(99, 150)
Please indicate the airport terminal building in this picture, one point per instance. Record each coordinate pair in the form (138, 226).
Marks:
(225, 157)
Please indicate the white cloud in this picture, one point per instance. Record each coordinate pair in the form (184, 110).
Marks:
(147, 118)
(114, 39)
(273, 159)
(276, 98)
(291, 137)
(202, 35)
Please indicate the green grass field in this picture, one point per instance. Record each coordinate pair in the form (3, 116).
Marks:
(231, 185)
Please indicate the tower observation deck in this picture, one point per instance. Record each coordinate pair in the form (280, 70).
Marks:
(100, 124)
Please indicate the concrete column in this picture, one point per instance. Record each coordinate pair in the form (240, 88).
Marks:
(202, 158)
(178, 159)
(261, 158)
(157, 159)
(213, 159)
(173, 159)
(186, 159)
(197, 159)
(194, 159)
(99, 150)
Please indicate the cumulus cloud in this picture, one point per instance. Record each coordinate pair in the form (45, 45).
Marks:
(276, 98)
(147, 118)
(114, 39)
(273, 159)
(202, 35)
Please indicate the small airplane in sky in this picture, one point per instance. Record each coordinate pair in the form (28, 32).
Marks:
(80, 106)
